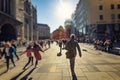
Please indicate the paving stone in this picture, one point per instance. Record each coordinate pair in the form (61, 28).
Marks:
(114, 75)
(66, 78)
(92, 68)
(82, 78)
(94, 65)
(105, 68)
(98, 76)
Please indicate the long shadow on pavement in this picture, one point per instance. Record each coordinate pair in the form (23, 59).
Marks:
(17, 75)
(5, 71)
(26, 76)
(14, 78)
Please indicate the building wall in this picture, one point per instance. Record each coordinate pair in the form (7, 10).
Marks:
(27, 14)
(43, 31)
(69, 27)
(94, 12)
(8, 7)
(34, 15)
(8, 22)
(20, 17)
(88, 14)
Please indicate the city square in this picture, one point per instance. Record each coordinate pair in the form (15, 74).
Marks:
(93, 65)
(59, 40)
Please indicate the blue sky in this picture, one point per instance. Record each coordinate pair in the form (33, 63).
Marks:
(54, 12)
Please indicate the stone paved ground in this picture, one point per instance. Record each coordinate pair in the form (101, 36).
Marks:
(94, 65)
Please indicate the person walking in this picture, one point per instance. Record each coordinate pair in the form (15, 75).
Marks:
(8, 52)
(36, 49)
(29, 55)
(15, 48)
(71, 46)
(60, 45)
(49, 43)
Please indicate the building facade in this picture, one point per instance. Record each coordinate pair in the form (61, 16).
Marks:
(59, 33)
(27, 14)
(69, 27)
(43, 31)
(98, 18)
(34, 20)
(8, 22)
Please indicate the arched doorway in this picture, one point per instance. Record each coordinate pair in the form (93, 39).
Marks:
(7, 32)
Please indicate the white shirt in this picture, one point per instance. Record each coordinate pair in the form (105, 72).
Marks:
(7, 52)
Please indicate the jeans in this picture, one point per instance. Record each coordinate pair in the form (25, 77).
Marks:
(7, 61)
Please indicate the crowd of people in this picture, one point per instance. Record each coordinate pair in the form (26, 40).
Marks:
(8, 49)
(33, 51)
(104, 45)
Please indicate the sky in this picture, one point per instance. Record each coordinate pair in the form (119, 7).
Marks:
(54, 12)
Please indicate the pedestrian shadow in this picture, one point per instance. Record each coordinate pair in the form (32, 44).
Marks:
(6, 71)
(3, 73)
(26, 76)
(14, 78)
(91, 52)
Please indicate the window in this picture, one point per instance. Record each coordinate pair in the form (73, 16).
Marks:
(5, 6)
(27, 7)
(118, 6)
(100, 7)
(112, 16)
(112, 6)
(101, 17)
(2, 5)
(118, 16)
(7, 10)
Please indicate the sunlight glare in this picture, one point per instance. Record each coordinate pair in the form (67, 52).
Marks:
(64, 9)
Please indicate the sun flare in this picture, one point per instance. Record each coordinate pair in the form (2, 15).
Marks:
(64, 9)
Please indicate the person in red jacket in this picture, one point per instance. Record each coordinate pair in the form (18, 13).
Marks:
(29, 55)
(36, 49)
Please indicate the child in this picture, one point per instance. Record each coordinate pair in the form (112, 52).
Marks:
(29, 55)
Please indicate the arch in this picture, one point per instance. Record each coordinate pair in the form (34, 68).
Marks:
(7, 32)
